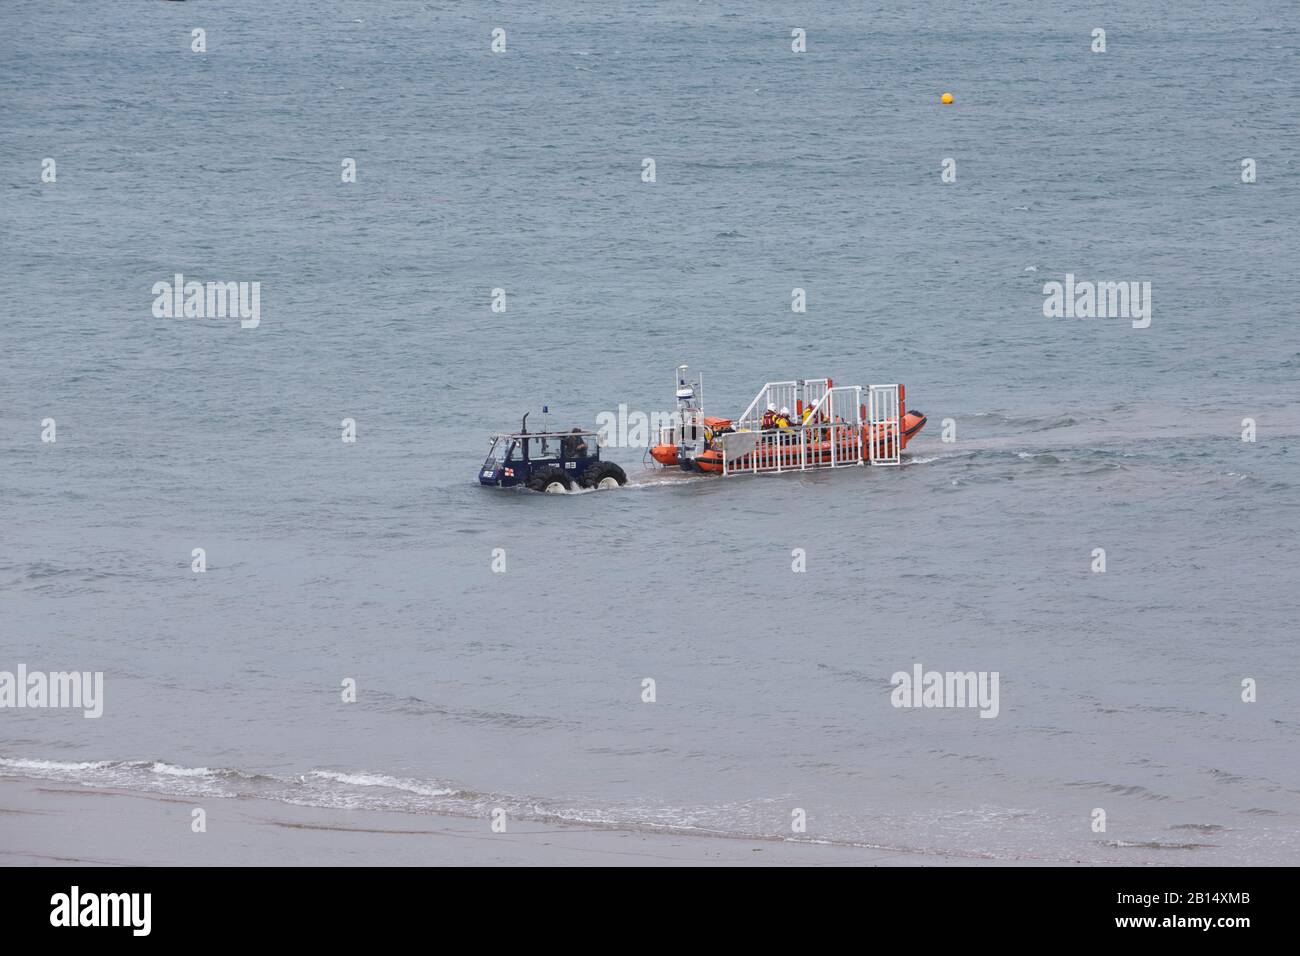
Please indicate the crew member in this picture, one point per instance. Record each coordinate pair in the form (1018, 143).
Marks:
(575, 445)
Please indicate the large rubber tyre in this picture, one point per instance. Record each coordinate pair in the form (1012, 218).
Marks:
(604, 474)
(552, 480)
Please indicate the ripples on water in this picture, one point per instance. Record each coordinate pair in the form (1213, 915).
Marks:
(522, 690)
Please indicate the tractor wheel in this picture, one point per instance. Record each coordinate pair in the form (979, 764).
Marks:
(551, 480)
(604, 474)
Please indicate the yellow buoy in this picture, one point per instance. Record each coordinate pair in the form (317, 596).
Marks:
(945, 99)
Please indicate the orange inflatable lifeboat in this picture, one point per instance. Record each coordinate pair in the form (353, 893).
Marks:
(790, 426)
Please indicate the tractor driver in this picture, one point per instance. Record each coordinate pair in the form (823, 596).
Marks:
(575, 446)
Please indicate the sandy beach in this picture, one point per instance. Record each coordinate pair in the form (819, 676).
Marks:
(49, 824)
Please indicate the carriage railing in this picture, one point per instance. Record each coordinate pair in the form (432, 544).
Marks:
(774, 393)
(836, 430)
(820, 444)
(794, 395)
(884, 420)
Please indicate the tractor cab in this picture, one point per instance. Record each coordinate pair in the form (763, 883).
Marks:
(554, 462)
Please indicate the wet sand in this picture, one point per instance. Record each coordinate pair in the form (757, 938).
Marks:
(45, 824)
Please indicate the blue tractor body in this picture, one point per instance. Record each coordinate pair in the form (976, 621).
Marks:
(548, 461)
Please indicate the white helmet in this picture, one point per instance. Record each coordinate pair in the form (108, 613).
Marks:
(784, 410)
(771, 407)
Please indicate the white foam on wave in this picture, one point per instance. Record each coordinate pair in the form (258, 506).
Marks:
(381, 780)
(51, 766)
(683, 479)
(150, 773)
(171, 770)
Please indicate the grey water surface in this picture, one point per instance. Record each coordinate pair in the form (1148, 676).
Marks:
(774, 170)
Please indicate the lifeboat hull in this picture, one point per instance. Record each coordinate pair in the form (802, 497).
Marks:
(664, 454)
(710, 462)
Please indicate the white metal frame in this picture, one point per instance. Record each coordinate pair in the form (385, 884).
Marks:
(885, 425)
(791, 395)
(831, 436)
(834, 429)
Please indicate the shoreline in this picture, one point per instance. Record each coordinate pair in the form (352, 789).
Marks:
(47, 823)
